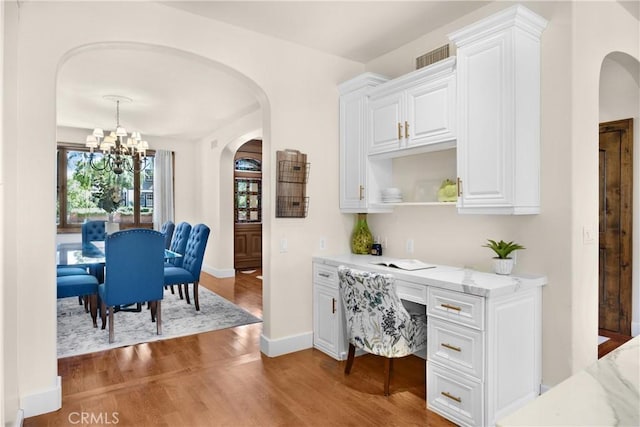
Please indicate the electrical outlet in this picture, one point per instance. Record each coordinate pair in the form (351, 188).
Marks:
(409, 246)
(323, 243)
(284, 245)
(383, 242)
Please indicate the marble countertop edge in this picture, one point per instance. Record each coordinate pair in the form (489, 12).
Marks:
(447, 277)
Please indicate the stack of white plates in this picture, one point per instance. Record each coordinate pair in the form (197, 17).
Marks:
(391, 195)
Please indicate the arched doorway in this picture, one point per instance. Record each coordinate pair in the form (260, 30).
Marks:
(619, 233)
(247, 206)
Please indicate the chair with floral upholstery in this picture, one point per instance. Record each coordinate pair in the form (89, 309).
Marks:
(377, 322)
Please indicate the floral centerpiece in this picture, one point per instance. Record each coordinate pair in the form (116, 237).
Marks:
(107, 196)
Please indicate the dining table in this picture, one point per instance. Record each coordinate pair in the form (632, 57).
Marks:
(91, 255)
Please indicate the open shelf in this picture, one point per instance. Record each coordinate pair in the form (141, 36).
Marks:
(415, 204)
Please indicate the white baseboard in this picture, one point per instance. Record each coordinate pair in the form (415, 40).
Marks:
(42, 402)
(219, 272)
(290, 344)
(544, 388)
(19, 418)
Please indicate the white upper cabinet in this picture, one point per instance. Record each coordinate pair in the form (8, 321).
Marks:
(354, 165)
(415, 112)
(498, 135)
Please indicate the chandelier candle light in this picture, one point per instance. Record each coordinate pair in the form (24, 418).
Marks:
(118, 156)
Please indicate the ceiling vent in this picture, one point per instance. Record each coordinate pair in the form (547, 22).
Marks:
(434, 56)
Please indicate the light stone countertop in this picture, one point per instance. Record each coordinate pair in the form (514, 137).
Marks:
(604, 394)
(453, 278)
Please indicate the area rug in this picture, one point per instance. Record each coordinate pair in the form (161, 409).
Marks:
(76, 334)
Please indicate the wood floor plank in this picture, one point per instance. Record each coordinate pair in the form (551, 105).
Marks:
(220, 378)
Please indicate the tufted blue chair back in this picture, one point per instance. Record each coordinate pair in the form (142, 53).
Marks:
(194, 252)
(167, 230)
(134, 267)
(93, 231)
(179, 242)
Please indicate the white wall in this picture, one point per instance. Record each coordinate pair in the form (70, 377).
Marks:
(569, 107)
(620, 99)
(599, 29)
(8, 294)
(297, 91)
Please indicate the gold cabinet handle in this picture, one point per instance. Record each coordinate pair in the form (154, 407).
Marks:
(333, 303)
(361, 192)
(451, 347)
(450, 396)
(459, 187)
(406, 129)
(451, 307)
(399, 130)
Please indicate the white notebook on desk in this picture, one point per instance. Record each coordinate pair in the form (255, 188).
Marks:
(405, 264)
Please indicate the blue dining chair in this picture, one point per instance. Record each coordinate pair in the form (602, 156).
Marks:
(179, 242)
(80, 285)
(93, 231)
(167, 230)
(73, 271)
(191, 263)
(178, 245)
(134, 262)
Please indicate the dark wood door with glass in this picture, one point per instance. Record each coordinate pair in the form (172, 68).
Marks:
(248, 206)
(615, 234)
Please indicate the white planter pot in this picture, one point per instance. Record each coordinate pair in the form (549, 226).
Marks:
(111, 227)
(502, 266)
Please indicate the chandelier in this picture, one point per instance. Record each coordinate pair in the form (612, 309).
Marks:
(117, 155)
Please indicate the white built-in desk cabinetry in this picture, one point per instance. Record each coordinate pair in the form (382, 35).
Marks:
(485, 102)
(484, 334)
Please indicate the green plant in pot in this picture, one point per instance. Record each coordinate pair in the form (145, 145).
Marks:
(502, 263)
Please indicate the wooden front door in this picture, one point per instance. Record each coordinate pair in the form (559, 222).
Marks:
(615, 237)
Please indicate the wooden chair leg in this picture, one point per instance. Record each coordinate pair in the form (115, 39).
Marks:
(111, 332)
(350, 357)
(93, 304)
(195, 295)
(79, 300)
(388, 365)
(180, 291)
(86, 303)
(103, 314)
(159, 317)
(173, 291)
(153, 306)
(186, 293)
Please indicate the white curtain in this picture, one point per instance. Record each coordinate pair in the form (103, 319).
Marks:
(162, 188)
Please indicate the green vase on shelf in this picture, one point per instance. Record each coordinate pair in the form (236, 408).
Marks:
(361, 239)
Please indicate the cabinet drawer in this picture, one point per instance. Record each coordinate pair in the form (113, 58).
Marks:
(454, 396)
(326, 275)
(456, 347)
(456, 307)
(411, 291)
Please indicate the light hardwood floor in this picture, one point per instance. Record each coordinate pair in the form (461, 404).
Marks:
(220, 378)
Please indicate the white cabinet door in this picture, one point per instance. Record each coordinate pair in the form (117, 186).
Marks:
(352, 154)
(484, 149)
(355, 184)
(386, 121)
(431, 112)
(326, 333)
(499, 113)
(416, 110)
